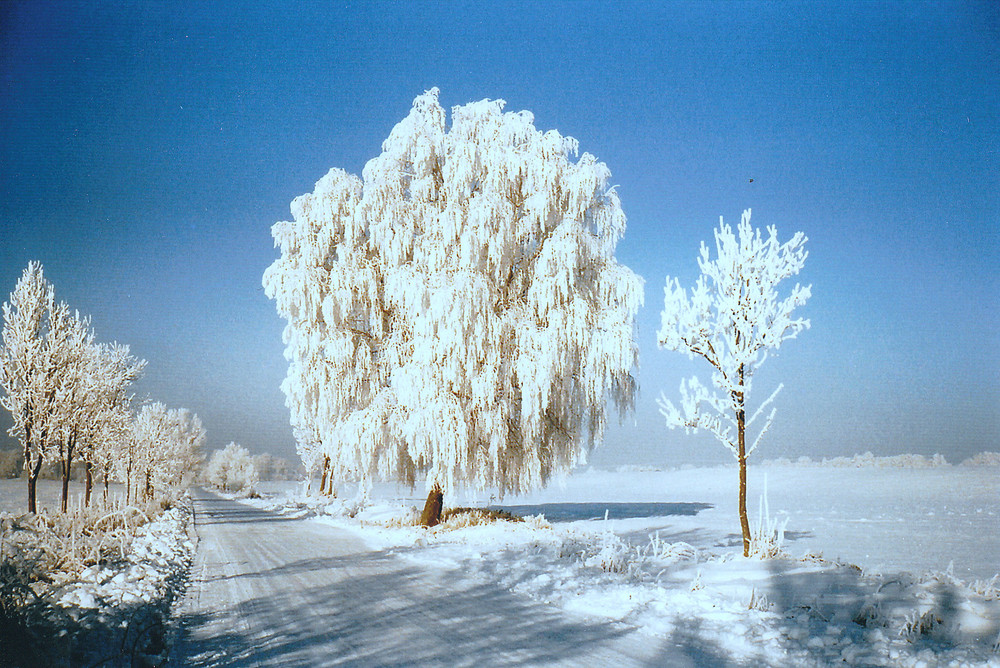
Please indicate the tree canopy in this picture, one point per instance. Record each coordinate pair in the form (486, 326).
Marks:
(458, 310)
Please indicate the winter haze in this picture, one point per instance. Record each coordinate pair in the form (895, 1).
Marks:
(146, 151)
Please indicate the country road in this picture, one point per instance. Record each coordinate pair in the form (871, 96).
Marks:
(267, 590)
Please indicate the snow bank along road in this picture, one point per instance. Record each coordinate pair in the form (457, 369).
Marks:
(267, 589)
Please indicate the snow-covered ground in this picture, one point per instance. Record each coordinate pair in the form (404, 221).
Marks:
(112, 613)
(921, 538)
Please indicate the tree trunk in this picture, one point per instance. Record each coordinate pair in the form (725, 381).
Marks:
(67, 463)
(32, 481)
(88, 485)
(741, 429)
(432, 508)
(325, 479)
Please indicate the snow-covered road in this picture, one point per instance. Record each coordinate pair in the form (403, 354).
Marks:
(268, 589)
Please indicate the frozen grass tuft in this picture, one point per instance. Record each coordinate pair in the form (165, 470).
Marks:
(767, 535)
(458, 518)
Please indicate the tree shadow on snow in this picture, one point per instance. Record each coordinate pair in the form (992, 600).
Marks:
(378, 610)
(212, 509)
(571, 512)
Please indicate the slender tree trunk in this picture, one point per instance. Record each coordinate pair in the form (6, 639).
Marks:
(148, 493)
(324, 481)
(88, 484)
(432, 508)
(32, 482)
(66, 464)
(741, 429)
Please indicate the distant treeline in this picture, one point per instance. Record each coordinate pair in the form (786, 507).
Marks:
(12, 466)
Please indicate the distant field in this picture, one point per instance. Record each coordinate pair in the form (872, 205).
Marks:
(14, 494)
(886, 519)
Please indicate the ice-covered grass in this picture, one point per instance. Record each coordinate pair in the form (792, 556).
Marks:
(97, 582)
(882, 566)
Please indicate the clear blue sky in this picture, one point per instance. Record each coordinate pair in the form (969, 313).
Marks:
(146, 149)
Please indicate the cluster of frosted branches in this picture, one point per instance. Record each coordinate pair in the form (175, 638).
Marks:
(70, 397)
(232, 469)
(732, 319)
(459, 310)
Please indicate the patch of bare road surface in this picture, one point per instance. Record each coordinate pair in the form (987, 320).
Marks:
(269, 590)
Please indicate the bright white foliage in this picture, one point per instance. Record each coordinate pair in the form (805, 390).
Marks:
(460, 310)
(732, 318)
(28, 362)
(232, 468)
(165, 445)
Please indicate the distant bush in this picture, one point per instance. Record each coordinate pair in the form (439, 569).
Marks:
(11, 463)
(232, 469)
(869, 460)
(983, 459)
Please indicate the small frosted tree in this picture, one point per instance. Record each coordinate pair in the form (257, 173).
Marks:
(232, 468)
(164, 449)
(733, 319)
(459, 311)
(113, 369)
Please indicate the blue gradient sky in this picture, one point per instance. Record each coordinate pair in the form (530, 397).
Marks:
(146, 150)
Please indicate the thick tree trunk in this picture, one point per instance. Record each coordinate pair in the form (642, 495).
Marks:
(432, 508)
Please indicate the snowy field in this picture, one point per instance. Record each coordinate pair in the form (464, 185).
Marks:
(881, 519)
(925, 543)
(48, 494)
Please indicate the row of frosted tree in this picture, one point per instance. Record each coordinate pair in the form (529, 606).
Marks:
(458, 313)
(71, 401)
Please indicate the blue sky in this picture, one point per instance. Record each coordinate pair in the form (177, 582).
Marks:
(146, 149)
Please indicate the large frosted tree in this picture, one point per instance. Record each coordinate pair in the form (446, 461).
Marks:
(733, 320)
(459, 311)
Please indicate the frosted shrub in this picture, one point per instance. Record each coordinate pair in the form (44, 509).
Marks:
(988, 589)
(664, 551)
(983, 459)
(613, 555)
(232, 469)
(62, 545)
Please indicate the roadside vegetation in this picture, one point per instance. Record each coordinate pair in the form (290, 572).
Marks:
(73, 413)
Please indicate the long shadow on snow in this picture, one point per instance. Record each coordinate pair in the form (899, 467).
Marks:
(571, 512)
(388, 617)
(223, 511)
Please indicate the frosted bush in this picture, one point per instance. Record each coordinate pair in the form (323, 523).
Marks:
(232, 469)
(869, 460)
(983, 459)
